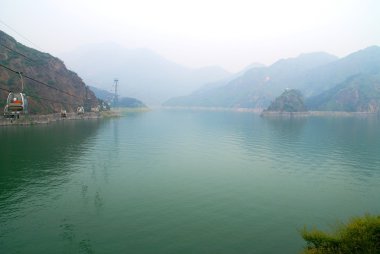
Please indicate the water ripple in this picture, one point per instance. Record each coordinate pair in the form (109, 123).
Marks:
(184, 182)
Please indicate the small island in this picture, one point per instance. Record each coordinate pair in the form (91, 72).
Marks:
(290, 103)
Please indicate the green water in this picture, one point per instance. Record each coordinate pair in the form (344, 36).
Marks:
(183, 182)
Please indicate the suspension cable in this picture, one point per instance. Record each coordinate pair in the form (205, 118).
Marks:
(10, 49)
(43, 98)
(40, 82)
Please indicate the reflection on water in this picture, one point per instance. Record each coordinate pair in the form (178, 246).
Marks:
(39, 155)
(183, 182)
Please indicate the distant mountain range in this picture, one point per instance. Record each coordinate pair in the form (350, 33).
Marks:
(320, 77)
(351, 83)
(257, 87)
(141, 72)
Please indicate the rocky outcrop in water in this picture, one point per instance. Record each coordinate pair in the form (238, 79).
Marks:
(288, 101)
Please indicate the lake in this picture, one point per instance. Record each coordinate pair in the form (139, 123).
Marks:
(183, 182)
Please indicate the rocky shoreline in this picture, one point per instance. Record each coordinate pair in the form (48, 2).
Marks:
(46, 119)
(317, 113)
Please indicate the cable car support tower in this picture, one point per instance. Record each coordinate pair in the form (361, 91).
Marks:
(116, 96)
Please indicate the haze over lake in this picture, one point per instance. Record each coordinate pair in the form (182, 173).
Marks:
(133, 126)
(183, 182)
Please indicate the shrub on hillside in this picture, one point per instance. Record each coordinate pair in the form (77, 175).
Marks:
(360, 235)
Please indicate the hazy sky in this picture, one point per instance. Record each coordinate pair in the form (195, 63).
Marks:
(196, 33)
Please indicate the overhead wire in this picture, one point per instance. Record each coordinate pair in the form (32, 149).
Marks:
(30, 78)
(54, 101)
(40, 82)
(19, 34)
(43, 98)
(4, 89)
(10, 49)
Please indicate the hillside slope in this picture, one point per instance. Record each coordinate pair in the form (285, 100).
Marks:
(312, 74)
(288, 101)
(123, 101)
(359, 93)
(258, 86)
(47, 69)
(322, 78)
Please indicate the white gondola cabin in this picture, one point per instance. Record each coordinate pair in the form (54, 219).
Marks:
(17, 104)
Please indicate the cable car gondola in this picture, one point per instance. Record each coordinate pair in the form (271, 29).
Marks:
(17, 103)
(80, 110)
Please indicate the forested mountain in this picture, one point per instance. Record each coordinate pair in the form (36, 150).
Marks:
(359, 93)
(63, 88)
(365, 61)
(328, 83)
(312, 74)
(257, 87)
(122, 101)
(288, 101)
(127, 102)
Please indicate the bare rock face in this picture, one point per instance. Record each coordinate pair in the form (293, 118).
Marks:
(3, 56)
(63, 88)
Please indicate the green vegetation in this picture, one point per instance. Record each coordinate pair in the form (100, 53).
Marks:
(131, 103)
(361, 235)
(289, 101)
(256, 87)
(45, 68)
(359, 93)
(312, 74)
(124, 102)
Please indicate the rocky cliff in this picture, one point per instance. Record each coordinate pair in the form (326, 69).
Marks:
(58, 88)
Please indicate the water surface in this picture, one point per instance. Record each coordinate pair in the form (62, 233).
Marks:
(183, 182)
